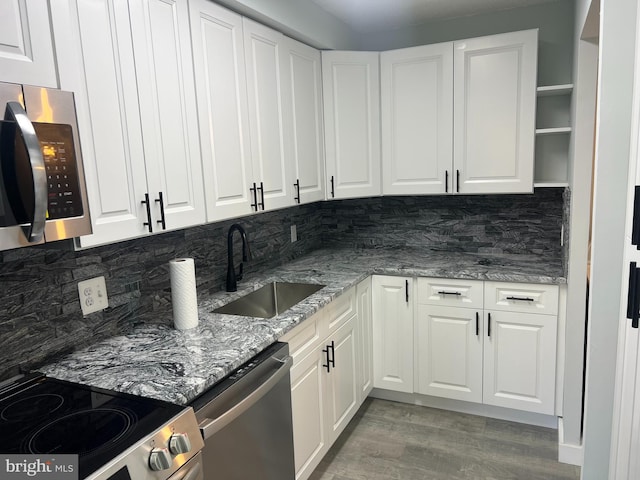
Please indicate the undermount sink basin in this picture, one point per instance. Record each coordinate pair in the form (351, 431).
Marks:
(270, 300)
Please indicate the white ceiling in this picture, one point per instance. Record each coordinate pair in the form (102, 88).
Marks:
(380, 15)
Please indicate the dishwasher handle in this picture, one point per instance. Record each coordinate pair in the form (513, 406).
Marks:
(208, 426)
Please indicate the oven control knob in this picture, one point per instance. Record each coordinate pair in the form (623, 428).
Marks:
(179, 443)
(160, 459)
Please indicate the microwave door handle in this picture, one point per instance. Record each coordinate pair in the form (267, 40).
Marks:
(35, 231)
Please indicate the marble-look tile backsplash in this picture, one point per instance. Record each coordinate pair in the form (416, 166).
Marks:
(41, 318)
(461, 223)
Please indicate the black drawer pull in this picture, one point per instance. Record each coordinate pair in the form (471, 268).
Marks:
(254, 192)
(406, 287)
(446, 181)
(160, 200)
(477, 324)
(633, 300)
(297, 187)
(442, 292)
(333, 191)
(521, 299)
(489, 325)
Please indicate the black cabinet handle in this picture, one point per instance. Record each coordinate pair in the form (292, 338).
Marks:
(160, 199)
(446, 181)
(635, 232)
(522, 299)
(443, 292)
(457, 181)
(633, 298)
(330, 352)
(254, 191)
(148, 222)
(489, 325)
(261, 188)
(333, 192)
(477, 324)
(297, 185)
(406, 289)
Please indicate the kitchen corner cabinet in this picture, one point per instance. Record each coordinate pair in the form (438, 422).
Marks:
(303, 108)
(136, 111)
(494, 113)
(324, 379)
(365, 336)
(351, 94)
(417, 119)
(267, 85)
(26, 43)
(393, 333)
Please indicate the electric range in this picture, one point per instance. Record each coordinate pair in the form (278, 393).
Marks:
(115, 435)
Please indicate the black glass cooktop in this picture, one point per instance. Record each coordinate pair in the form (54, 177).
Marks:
(46, 416)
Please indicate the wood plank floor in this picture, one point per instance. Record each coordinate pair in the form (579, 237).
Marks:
(389, 440)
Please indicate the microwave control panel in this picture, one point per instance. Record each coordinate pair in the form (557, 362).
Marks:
(64, 198)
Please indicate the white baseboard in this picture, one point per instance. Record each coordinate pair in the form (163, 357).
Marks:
(568, 453)
(511, 415)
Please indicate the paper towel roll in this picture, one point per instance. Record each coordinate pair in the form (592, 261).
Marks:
(183, 293)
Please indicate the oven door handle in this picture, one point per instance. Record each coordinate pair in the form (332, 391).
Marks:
(35, 230)
(192, 473)
(209, 427)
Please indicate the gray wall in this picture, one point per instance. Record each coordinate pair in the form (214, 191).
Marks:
(41, 315)
(554, 20)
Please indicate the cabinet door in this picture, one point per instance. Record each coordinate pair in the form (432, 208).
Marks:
(393, 333)
(365, 339)
(520, 361)
(449, 352)
(417, 119)
(304, 115)
(494, 113)
(342, 378)
(102, 74)
(164, 69)
(26, 45)
(218, 58)
(308, 403)
(351, 93)
(267, 83)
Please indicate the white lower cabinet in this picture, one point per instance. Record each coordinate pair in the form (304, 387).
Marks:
(520, 361)
(365, 337)
(325, 378)
(392, 333)
(449, 352)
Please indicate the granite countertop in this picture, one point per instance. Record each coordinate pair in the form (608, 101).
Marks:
(160, 362)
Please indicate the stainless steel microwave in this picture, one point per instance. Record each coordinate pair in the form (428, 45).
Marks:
(43, 194)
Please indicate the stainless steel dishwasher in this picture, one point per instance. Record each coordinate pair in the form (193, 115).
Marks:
(246, 421)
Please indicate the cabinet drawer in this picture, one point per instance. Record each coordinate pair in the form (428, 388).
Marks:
(521, 297)
(305, 337)
(341, 309)
(449, 292)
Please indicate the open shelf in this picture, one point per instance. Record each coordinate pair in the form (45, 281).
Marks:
(553, 134)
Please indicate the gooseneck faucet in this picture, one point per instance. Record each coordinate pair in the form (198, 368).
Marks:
(232, 277)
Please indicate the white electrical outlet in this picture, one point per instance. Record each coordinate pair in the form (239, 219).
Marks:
(294, 234)
(93, 295)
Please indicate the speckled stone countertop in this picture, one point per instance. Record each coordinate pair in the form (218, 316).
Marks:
(160, 362)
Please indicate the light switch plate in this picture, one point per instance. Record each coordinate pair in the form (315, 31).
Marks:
(93, 295)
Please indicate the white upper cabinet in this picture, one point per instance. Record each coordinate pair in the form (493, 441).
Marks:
(303, 105)
(135, 101)
(417, 119)
(351, 92)
(26, 43)
(164, 68)
(494, 113)
(267, 83)
(223, 113)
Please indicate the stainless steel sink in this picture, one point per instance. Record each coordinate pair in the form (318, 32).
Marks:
(270, 300)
